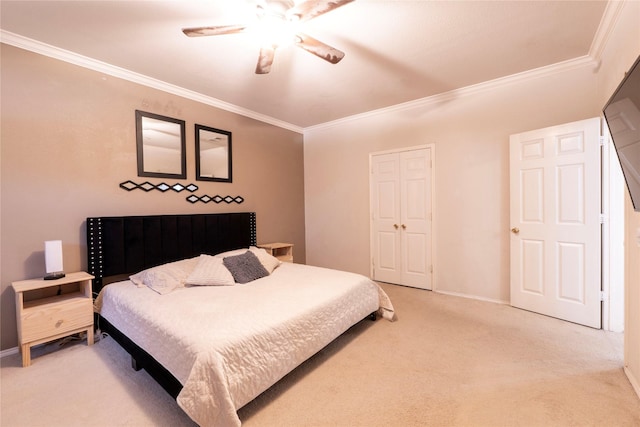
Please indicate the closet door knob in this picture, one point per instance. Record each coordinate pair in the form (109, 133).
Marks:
(515, 230)
(404, 227)
(395, 226)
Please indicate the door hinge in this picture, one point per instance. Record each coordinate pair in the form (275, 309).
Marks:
(603, 140)
(602, 218)
(603, 296)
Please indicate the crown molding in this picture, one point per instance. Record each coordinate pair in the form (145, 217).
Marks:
(102, 67)
(583, 61)
(607, 24)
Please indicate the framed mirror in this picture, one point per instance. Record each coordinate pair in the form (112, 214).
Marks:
(213, 154)
(161, 146)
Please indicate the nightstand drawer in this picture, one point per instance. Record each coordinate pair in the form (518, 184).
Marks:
(57, 317)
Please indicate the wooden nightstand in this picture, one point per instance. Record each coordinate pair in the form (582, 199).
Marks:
(46, 319)
(282, 251)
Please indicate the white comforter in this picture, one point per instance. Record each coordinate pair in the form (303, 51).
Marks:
(228, 344)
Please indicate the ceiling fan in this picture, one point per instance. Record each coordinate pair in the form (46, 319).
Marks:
(277, 23)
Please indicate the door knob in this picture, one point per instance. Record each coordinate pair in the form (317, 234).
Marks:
(515, 230)
(404, 227)
(395, 226)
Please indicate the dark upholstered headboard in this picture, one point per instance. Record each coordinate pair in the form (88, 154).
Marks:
(128, 244)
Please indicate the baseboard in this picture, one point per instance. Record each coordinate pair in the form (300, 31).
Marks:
(633, 380)
(9, 352)
(469, 296)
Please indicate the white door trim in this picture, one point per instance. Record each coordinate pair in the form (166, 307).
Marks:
(613, 187)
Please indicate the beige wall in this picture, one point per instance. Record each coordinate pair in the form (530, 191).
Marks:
(68, 140)
(632, 297)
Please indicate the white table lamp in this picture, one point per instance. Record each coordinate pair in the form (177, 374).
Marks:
(53, 259)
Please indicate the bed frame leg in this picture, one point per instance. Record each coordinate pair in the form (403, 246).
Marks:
(134, 364)
(373, 316)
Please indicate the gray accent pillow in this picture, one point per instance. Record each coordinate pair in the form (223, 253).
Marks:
(245, 267)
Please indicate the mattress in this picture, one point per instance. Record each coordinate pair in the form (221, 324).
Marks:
(228, 344)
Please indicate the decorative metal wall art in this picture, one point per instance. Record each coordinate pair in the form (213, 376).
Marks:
(147, 186)
(164, 187)
(215, 199)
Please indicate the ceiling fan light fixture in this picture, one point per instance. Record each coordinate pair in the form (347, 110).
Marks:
(274, 30)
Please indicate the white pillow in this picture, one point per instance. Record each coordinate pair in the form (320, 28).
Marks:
(210, 271)
(268, 261)
(165, 278)
(231, 253)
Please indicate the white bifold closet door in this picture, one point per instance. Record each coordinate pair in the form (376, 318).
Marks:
(401, 217)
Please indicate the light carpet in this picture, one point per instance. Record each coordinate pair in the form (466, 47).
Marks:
(446, 361)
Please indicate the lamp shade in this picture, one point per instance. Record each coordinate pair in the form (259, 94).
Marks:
(53, 259)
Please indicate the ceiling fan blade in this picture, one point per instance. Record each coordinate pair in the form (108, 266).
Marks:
(309, 9)
(265, 59)
(319, 49)
(213, 31)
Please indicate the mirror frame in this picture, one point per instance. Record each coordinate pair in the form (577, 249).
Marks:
(199, 176)
(140, 146)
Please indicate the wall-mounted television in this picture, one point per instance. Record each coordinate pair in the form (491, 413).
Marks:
(622, 113)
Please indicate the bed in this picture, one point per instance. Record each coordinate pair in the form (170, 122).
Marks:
(216, 337)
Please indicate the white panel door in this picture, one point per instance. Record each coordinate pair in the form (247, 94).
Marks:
(401, 217)
(555, 220)
(415, 214)
(386, 220)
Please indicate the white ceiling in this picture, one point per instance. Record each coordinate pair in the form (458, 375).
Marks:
(396, 51)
